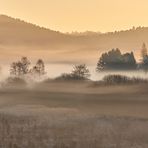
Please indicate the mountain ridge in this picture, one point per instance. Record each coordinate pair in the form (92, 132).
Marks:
(16, 34)
(6, 17)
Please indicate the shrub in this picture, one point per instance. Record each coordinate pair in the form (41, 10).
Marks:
(79, 72)
(15, 81)
(121, 79)
(69, 77)
(116, 79)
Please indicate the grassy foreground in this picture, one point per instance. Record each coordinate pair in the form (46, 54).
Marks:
(74, 115)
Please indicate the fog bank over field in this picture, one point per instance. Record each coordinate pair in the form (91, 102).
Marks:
(55, 70)
(57, 92)
(60, 114)
(123, 100)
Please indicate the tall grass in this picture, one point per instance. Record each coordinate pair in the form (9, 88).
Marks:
(73, 132)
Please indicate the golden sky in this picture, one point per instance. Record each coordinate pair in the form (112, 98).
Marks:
(79, 15)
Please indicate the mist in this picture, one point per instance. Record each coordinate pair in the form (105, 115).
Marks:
(58, 90)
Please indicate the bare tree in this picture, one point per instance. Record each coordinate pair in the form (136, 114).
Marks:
(25, 65)
(20, 68)
(39, 68)
(81, 72)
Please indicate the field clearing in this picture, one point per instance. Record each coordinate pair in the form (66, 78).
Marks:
(74, 115)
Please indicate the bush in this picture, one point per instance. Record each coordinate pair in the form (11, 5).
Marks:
(15, 81)
(116, 79)
(69, 77)
(79, 72)
(121, 79)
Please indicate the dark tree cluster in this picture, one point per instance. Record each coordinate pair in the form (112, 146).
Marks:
(22, 68)
(114, 60)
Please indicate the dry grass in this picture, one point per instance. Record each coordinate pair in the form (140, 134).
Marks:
(74, 115)
(73, 132)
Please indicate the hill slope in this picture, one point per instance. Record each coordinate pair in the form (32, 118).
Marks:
(17, 36)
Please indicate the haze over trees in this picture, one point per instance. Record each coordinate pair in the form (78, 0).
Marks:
(111, 60)
(39, 68)
(21, 68)
(81, 71)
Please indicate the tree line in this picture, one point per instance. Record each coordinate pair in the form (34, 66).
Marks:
(111, 60)
(22, 68)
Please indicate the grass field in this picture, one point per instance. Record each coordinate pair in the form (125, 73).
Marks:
(74, 115)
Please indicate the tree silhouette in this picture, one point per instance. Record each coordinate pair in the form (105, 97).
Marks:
(39, 68)
(20, 68)
(80, 72)
(114, 60)
(25, 65)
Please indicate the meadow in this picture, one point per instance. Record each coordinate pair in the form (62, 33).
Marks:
(73, 114)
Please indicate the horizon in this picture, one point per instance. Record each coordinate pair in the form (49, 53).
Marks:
(70, 16)
(73, 31)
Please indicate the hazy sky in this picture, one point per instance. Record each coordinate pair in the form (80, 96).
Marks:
(80, 15)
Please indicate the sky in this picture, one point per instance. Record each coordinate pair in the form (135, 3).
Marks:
(79, 15)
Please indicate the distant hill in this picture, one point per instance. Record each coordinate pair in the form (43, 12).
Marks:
(17, 32)
(17, 36)
(86, 33)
